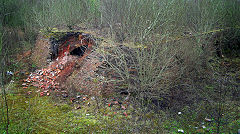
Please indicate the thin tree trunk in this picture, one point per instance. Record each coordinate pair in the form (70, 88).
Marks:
(3, 72)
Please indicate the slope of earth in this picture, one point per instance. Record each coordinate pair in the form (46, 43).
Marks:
(40, 52)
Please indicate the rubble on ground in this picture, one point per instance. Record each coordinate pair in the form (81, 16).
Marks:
(48, 79)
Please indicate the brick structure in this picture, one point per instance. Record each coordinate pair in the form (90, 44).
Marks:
(73, 43)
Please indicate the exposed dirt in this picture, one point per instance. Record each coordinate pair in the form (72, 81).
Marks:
(40, 52)
(84, 79)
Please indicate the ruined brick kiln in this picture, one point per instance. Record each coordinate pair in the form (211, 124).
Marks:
(73, 43)
(64, 54)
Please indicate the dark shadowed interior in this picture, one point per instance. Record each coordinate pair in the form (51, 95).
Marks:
(79, 51)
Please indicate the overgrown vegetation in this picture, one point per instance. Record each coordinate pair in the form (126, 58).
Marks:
(184, 55)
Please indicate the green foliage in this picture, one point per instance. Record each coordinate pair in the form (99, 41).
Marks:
(14, 12)
(30, 113)
(34, 114)
(194, 121)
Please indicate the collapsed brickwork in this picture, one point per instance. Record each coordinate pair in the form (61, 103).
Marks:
(72, 43)
(64, 54)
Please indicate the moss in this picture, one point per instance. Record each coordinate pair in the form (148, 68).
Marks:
(34, 114)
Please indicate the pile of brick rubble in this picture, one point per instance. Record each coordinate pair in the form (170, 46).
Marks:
(47, 79)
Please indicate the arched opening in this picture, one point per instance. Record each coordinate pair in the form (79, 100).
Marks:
(79, 51)
(75, 44)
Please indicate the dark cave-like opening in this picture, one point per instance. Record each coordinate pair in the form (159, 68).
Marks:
(79, 51)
